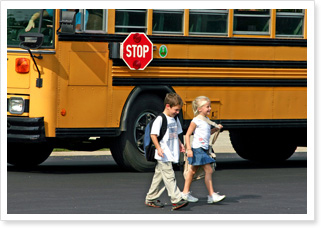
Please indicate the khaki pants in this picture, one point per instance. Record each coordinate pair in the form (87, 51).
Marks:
(164, 177)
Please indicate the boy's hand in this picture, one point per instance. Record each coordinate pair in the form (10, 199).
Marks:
(160, 152)
(181, 148)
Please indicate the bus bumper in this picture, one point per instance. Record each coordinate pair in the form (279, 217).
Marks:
(25, 130)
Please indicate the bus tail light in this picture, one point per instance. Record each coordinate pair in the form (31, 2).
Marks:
(22, 65)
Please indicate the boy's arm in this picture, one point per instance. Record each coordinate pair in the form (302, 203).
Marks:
(181, 146)
(160, 152)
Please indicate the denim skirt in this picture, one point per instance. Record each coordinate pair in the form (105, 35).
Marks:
(200, 157)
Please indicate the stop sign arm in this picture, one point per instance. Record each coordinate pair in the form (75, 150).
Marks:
(137, 51)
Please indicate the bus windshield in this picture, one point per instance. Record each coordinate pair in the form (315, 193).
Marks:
(27, 20)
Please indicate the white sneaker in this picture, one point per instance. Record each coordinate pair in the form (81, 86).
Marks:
(215, 198)
(189, 197)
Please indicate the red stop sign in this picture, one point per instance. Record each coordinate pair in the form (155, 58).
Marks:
(137, 51)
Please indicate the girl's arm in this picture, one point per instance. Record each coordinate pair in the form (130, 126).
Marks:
(189, 132)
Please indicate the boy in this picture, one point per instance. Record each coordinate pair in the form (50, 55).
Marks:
(167, 151)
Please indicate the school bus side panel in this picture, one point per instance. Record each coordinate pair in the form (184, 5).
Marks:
(85, 87)
(249, 103)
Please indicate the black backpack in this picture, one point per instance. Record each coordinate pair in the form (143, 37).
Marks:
(149, 147)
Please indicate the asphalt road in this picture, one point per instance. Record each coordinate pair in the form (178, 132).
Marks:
(96, 185)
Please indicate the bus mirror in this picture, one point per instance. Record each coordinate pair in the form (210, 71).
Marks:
(31, 40)
(67, 23)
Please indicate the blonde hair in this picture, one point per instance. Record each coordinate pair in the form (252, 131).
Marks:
(199, 102)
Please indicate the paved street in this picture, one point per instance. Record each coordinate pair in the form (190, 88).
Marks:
(91, 183)
(95, 185)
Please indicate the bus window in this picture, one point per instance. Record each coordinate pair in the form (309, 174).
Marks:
(289, 22)
(81, 18)
(252, 21)
(130, 20)
(203, 22)
(27, 20)
(96, 20)
(168, 21)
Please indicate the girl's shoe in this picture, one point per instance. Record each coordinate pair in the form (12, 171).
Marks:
(215, 198)
(189, 197)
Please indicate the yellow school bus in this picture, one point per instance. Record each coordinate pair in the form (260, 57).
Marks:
(68, 87)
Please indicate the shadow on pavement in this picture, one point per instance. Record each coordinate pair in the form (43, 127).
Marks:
(106, 164)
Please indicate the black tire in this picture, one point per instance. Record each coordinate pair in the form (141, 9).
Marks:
(28, 155)
(127, 150)
(263, 145)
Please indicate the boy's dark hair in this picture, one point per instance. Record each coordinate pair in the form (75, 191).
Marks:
(173, 99)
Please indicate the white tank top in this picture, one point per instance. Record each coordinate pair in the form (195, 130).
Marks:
(202, 134)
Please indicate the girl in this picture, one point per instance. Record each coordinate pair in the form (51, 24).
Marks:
(197, 154)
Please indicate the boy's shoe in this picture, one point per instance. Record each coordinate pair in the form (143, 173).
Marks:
(154, 203)
(215, 198)
(189, 197)
(180, 204)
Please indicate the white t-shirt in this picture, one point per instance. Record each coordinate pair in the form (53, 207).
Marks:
(202, 134)
(170, 141)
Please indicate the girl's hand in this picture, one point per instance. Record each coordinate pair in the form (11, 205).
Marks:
(189, 153)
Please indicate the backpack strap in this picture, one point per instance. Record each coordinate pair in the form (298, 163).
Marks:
(163, 127)
(207, 121)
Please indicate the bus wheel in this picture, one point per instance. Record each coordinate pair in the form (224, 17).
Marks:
(127, 150)
(27, 155)
(263, 145)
